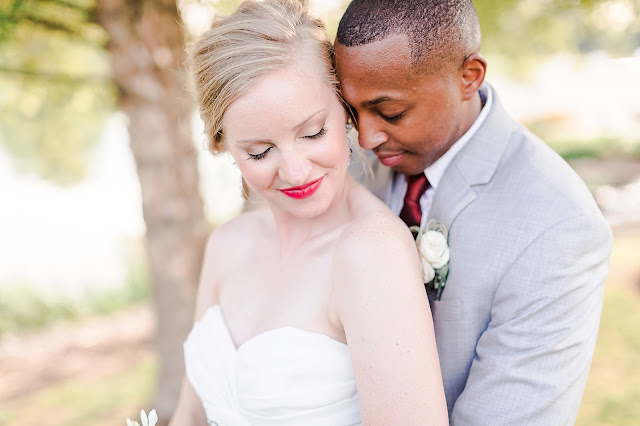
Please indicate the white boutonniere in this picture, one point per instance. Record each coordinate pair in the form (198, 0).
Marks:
(146, 421)
(433, 248)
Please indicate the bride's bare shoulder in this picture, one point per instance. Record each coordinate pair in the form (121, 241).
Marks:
(240, 231)
(230, 242)
(376, 240)
(375, 260)
(375, 223)
(225, 251)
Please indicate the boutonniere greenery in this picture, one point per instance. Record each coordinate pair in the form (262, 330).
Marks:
(431, 241)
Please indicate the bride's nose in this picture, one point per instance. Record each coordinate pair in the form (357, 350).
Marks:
(294, 167)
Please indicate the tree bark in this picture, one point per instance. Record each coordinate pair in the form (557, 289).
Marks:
(146, 48)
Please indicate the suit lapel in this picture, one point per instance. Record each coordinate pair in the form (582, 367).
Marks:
(473, 166)
(453, 195)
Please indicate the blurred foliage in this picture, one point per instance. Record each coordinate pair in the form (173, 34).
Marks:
(522, 32)
(55, 91)
(23, 309)
(55, 87)
(571, 149)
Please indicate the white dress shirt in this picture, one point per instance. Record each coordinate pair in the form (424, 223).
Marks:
(435, 171)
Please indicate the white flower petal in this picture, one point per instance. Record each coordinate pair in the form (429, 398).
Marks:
(433, 248)
(427, 272)
(443, 260)
(153, 418)
(143, 417)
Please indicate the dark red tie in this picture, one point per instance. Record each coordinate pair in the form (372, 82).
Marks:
(416, 186)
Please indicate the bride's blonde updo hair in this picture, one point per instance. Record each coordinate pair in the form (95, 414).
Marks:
(258, 38)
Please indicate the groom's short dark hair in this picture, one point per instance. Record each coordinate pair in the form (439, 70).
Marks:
(439, 31)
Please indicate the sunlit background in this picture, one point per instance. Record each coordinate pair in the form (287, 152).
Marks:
(75, 285)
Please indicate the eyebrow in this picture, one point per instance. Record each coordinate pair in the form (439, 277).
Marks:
(378, 101)
(297, 126)
(303, 122)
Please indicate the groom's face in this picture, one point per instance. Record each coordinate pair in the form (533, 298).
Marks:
(409, 118)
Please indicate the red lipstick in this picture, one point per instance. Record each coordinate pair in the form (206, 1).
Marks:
(303, 191)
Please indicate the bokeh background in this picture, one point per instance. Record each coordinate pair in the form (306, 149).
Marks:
(106, 194)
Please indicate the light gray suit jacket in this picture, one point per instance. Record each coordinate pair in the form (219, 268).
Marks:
(517, 322)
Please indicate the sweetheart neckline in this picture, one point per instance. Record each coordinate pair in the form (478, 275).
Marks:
(238, 348)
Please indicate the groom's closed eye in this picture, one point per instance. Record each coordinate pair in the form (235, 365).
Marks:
(393, 118)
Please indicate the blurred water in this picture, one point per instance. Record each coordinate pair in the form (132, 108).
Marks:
(62, 242)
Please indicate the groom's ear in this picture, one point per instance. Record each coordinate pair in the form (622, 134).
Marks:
(473, 71)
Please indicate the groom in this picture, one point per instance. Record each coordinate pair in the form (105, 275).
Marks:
(517, 321)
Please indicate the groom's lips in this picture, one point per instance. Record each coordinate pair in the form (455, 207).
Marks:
(390, 159)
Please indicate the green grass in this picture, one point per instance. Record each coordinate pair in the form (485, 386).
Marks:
(99, 400)
(23, 309)
(571, 149)
(612, 395)
(558, 131)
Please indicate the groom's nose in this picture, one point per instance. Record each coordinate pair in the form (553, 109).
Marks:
(369, 135)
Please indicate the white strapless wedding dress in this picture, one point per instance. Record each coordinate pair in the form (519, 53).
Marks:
(286, 376)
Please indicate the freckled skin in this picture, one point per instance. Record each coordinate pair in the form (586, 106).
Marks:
(437, 108)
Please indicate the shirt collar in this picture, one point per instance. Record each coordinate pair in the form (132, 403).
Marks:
(435, 171)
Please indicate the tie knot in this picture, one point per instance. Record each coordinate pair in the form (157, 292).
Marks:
(416, 186)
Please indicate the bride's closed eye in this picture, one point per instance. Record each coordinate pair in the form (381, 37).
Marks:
(321, 133)
(259, 156)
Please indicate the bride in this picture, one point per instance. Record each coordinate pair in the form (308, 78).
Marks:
(313, 310)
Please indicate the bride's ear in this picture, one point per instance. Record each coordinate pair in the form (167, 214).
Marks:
(472, 74)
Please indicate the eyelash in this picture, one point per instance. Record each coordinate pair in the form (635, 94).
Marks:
(318, 135)
(263, 154)
(394, 118)
(259, 156)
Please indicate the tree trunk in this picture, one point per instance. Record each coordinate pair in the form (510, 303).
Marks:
(146, 47)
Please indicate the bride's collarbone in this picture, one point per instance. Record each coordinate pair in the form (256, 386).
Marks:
(267, 282)
(268, 268)
(268, 295)
(284, 279)
(273, 260)
(263, 308)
